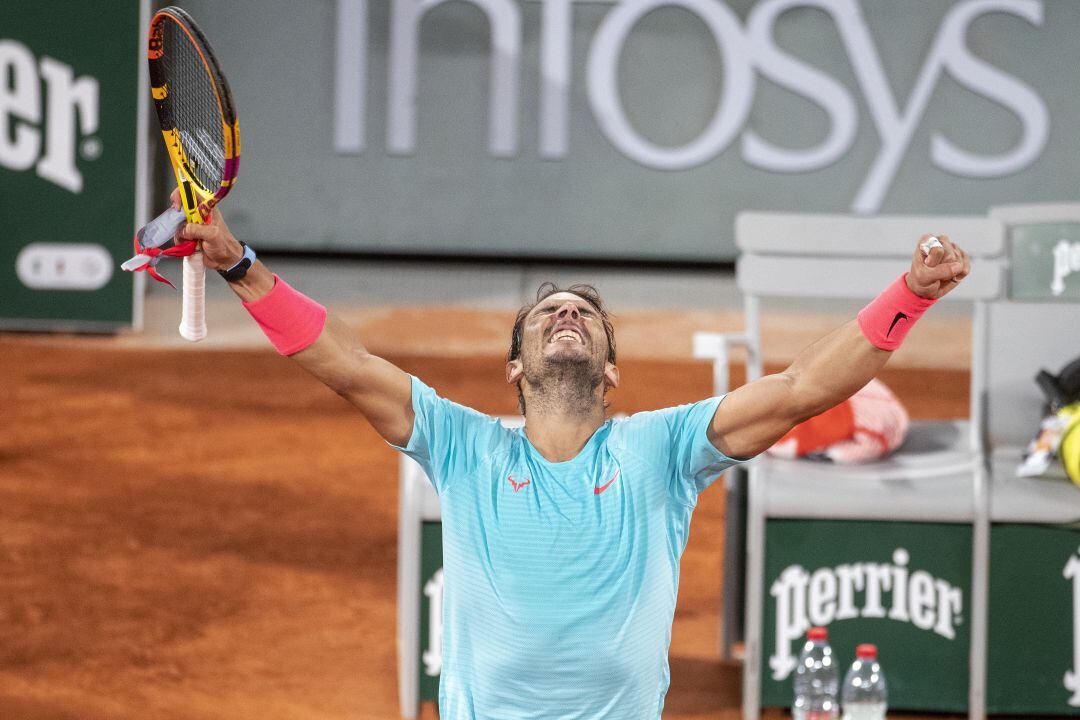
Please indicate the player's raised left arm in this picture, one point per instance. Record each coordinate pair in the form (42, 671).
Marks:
(753, 417)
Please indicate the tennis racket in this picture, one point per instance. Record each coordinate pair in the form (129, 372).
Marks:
(202, 135)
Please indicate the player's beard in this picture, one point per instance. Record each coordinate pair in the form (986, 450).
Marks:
(565, 385)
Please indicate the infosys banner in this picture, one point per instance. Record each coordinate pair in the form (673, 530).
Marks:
(69, 93)
(904, 587)
(636, 129)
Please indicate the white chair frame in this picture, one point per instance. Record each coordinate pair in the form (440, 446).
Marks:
(827, 256)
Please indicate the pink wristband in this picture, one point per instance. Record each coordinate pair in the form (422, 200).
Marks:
(889, 316)
(289, 318)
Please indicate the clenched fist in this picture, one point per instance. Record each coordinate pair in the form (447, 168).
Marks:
(936, 273)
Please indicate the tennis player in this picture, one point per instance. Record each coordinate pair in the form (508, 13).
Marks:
(562, 540)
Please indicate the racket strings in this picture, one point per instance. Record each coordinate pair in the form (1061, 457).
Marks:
(193, 106)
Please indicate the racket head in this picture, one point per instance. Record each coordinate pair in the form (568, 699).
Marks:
(195, 110)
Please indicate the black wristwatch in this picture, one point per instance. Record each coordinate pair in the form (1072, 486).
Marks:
(239, 270)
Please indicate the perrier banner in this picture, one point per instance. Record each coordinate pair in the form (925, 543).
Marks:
(903, 586)
(69, 96)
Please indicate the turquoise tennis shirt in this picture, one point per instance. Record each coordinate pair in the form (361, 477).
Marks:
(560, 577)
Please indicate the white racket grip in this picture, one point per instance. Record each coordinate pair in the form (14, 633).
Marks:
(193, 316)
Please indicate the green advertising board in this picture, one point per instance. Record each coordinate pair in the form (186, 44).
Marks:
(431, 587)
(903, 586)
(1045, 262)
(70, 161)
(1033, 663)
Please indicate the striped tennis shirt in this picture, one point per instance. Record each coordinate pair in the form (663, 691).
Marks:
(560, 577)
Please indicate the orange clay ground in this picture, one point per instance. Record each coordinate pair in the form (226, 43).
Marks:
(212, 534)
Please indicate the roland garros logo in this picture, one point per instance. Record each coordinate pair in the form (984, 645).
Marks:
(869, 590)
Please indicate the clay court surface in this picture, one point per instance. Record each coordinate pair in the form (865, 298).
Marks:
(212, 534)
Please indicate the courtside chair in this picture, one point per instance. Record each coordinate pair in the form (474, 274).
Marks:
(937, 476)
(1026, 335)
(1033, 653)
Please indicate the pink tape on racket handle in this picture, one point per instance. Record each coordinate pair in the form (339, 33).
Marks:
(886, 320)
(290, 319)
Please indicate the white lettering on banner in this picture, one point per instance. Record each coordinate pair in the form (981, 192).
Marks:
(947, 53)
(1072, 677)
(20, 142)
(746, 52)
(21, 111)
(791, 621)
(828, 595)
(556, 62)
(1066, 262)
(350, 76)
(791, 74)
(432, 658)
(505, 19)
(735, 99)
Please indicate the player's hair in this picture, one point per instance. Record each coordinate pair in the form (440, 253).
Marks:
(588, 293)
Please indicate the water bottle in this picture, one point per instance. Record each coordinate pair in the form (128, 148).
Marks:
(864, 695)
(816, 679)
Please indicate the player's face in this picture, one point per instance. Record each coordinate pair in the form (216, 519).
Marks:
(564, 327)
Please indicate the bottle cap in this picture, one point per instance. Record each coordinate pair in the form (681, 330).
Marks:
(866, 652)
(817, 633)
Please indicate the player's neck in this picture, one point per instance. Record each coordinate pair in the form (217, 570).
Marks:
(561, 435)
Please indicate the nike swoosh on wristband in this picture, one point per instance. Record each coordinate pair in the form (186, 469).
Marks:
(899, 316)
(599, 489)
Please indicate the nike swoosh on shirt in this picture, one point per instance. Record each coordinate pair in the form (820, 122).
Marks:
(602, 488)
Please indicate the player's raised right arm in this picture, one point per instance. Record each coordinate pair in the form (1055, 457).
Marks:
(377, 387)
(330, 350)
